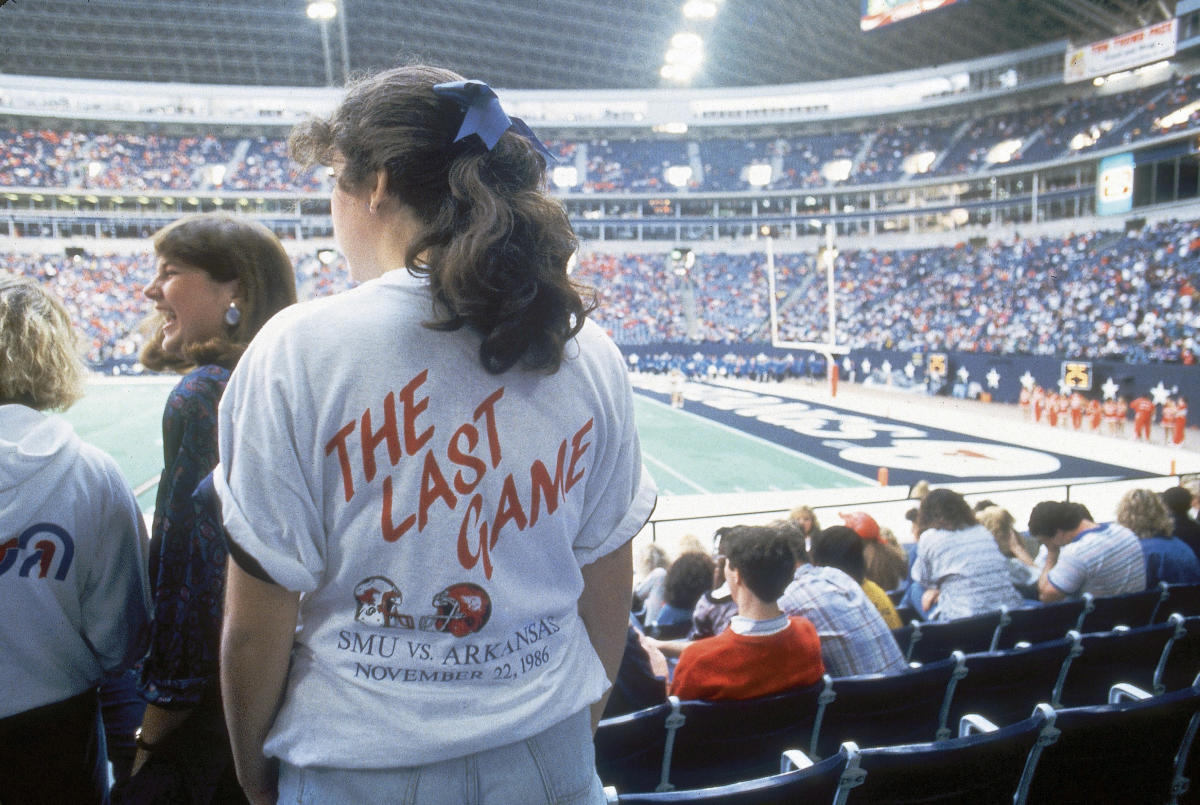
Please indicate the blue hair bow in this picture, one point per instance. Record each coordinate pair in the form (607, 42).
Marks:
(484, 115)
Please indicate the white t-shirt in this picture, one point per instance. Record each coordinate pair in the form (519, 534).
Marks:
(434, 517)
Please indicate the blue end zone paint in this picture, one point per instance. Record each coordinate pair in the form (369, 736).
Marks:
(862, 443)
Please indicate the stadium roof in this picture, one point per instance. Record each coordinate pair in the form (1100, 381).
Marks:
(528, 44)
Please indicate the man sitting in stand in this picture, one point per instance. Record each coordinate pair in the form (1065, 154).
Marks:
(1083, 557)
(763, 651)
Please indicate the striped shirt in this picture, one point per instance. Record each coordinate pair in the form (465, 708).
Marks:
(1105, 560)
(854, 638)
(968, 570)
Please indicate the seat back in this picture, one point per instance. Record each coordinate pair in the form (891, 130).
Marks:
(1128, 752)
(879, 709)
(1004, 686)
(1183, 662)
(990, 768)
(1131, 609)
(1122, 655)
(934, 640)
(1038, 624)
(1181, 598)
(817, 783)
(727, 741)
(630, 748)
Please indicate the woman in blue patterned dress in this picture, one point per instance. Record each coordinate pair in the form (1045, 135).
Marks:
(218, 279)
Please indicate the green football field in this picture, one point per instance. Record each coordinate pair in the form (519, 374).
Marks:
(686, 454)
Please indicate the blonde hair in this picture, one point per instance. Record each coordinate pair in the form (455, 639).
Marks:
(651, 556)
(801, 511)
(1143, 512)
(40, 364)
(1000, 522)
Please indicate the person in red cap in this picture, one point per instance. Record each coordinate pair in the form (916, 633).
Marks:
(886, 562)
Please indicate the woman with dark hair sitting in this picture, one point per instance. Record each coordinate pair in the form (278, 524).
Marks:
(958, 562)
(430, 481)
(688, 578)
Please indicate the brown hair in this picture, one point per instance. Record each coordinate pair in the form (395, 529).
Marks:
(226, 248)
(493, 244)
(945, 510)
(40, 364)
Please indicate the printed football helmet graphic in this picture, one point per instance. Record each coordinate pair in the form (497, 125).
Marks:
(377, 603)
(462, 609)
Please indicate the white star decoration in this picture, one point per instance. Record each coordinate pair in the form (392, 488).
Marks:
(1064, 387)
(1110, 389)
(993, 378)
(847, 365)
(866, 366)
(1027, 380)
(963, 374)
(910, 371)
(886, 367)
(1160, 393)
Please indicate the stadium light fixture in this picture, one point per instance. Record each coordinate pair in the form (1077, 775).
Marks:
(683, 58)
(1003, 151)
(323, 10)
(700, 9)
(836, 170)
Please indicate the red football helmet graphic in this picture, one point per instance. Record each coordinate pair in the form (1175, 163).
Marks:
(377, 603)
(462, 609)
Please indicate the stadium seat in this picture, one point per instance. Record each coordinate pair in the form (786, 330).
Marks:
(1181, 598)
(934, 640)
(1123, 751)
(816, 783)
(987, 768)
(1004, 686)
(1137, 656)
(880, 709)
(1183, 663)
(1040, 623)
(723, 742)
(674, 631)
(1131, 609)
(630, 748)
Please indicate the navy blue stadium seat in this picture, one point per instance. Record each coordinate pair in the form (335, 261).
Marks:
(817, 783)
(674, 631)
(727, 741)
(1183, 663)
(1122, 752)
(988, 768)
(1039, 623)
(1181, 598)
(878, 709)
(630, 748)
(1131, 609)
(1137, 656)
(1004, 686)
(934, 640)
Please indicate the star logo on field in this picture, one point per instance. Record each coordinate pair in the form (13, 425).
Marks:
(1028, 381)
(1159, 393)
(993, 378)
(1110, 389)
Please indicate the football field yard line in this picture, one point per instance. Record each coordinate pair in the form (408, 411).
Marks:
(674, 473)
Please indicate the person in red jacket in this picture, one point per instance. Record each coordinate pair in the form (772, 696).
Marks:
(1095, 414)
(1180, 420)
(763, 651)
(1039, 402)
(1143, 413)
(1168, 420)
(1076, 404)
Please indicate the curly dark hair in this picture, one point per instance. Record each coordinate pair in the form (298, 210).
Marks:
(689, 577)
(492, 242)
(946, 510)
(763, 558)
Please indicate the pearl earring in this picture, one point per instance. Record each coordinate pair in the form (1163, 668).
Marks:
(233, 315)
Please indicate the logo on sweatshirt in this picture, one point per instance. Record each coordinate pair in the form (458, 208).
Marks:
(38, 547)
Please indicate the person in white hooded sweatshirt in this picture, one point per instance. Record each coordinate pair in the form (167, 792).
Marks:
(73, 585)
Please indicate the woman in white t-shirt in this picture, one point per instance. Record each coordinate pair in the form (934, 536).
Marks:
(430, 481)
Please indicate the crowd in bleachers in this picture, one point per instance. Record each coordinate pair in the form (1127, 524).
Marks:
(1126, 296)
(133, 162)
(1051, 638)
